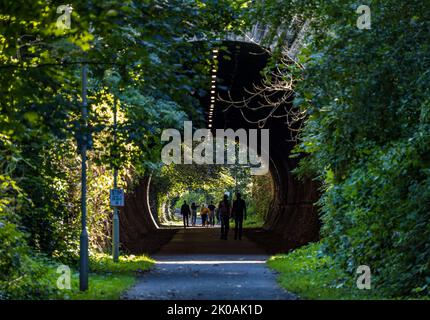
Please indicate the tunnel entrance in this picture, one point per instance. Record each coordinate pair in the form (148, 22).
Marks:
(291, 219)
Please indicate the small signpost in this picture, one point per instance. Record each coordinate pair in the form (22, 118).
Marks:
(116, 200)
(117, 197)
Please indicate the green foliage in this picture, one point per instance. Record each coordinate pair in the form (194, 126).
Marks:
(311, 274)
(253, 220)
(30, 279)
(108, 279)
(202, 184)
(192, 196)
(261, 195)
(101, 262)
(38, 278)
(193, 183)
(367, 133)
(21, 272)
(138, 53)
(102, 287)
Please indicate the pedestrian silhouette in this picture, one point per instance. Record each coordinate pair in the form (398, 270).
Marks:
(194, 213)
(211, 208)
(224, 212)
(185, 212)
(238, 212)
(204, 214)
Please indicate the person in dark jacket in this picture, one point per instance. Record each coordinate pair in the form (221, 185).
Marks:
(224, 212)
(185, 211)
(211, 208)
(194, 208)
(239, 213)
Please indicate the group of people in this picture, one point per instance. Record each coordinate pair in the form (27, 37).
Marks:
(223, 213)
(207, 214)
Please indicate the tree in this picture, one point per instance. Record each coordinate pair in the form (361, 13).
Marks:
(367, 132)
(139, 53)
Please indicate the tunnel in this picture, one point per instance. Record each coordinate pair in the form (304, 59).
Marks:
(292, 218)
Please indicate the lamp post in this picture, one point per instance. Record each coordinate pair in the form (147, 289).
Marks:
(235, 176)
(115, 223)
(83, 254)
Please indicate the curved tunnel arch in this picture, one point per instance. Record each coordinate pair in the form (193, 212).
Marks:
(292, 215)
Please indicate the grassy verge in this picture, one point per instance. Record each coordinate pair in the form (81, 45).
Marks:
(312, 275)
(107, 279)
(101, 287)
(253, 221)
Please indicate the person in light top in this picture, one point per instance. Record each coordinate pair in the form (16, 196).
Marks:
(204, 214)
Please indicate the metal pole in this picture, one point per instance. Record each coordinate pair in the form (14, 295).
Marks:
(115, 224)
(235, 178)
(236, 164)
(83, 265)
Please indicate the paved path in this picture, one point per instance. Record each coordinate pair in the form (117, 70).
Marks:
(197, 265)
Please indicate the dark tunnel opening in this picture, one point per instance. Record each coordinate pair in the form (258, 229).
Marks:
(292, 219)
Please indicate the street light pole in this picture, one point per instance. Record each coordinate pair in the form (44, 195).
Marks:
(235, 176)
(83, 263)
(115, 223)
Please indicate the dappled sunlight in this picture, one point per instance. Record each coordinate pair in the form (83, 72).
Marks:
(205, 184)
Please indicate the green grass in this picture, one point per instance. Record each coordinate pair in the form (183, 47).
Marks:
(101, 286)
(253, 221)
(101, 262)
(312, 275)
(107, 279)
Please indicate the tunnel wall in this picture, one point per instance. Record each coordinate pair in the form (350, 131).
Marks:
(292, 214)
(136, 219)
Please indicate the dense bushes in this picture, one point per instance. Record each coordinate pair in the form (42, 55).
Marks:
(368, 133)
(22, 273)
(40, 116)
(261, 195)
(379, 216)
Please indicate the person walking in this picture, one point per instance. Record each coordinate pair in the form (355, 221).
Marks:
(239, 213)
(204, 214)
(224, 212)
(218, 219)
(211, 208)
(185, 211)
(193, 213)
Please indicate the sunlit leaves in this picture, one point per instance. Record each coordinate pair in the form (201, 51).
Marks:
(367, 134)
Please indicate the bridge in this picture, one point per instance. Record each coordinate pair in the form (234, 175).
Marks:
(292, 218)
